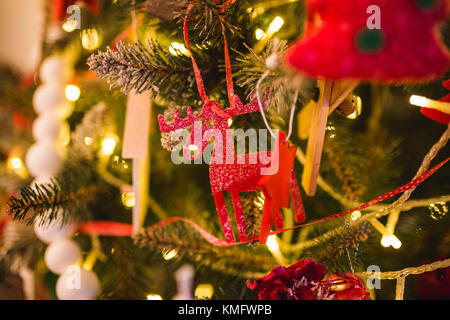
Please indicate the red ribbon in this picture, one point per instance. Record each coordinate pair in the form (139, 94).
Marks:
(106, 228)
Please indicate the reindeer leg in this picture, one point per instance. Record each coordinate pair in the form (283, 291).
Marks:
(240, 220)
(266, 224)
(278, 217)
(223, 216)
(299, 210)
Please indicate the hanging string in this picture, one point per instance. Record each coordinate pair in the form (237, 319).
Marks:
(228, 72)
(198, 75)
(291, 117)
(261, 109)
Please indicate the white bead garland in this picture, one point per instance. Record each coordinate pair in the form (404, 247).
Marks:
(47, 128)
(44, 159)
(60, 254)
(53, 69)
(53, 231)
(48, 98)
(77, 284)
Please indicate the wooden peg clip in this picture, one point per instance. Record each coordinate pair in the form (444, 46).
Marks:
(135, 146)
(316, 138)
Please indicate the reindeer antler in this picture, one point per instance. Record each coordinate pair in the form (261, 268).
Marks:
(177, 122)
(253, 106)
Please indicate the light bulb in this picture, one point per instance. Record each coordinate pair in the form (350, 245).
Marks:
(276, 25)
(272, 243)
(153, 296)
(72, 92)
(108, 145)
(170, 254)
(88, 141)
(418, 101)
(128, 199)
(395, 242)
(260, 34)
(90, 39)
(70, 25)
(176, 48)
(386, 241)
(356, 215)
(204, 291)
(15, 163)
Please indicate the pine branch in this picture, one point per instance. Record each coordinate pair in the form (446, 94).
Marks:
(338, 248)
(19, 246)
(188, 242)
(252, 204)
(205, 19)
(128, 272)
(51, 201)
(139, 67)
(90, 126)
(347, 239)
(283, 85)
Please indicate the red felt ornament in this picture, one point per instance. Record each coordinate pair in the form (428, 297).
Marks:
(341, 41)
(270, 172)
(437, 115)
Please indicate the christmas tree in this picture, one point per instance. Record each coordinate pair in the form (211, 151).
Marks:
(229, 149)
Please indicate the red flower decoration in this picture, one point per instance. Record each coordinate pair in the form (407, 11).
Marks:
(303, 281)
(346, 286)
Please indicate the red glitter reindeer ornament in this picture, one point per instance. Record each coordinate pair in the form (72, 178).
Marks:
(271, 172)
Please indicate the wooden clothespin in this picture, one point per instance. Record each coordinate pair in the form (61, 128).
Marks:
(314, 116)
(135, 146)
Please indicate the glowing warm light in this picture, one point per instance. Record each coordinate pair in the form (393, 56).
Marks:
(128, 199)
(70, 25)
(260, 34)
(272, 243)
(193, 149)
(176, 48)
(88, 141)
(204, 291)
(418, 101)
(72, 92)
(396, 243)
(429, 103)
(15, 163)
(385, 241)
(356, 215)
(358, 108)
(391, 240)
(153, 296)
(230, 122)
(331, 131)
(108, 146)
(170, 254)
(276, 25)
(90, 39)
